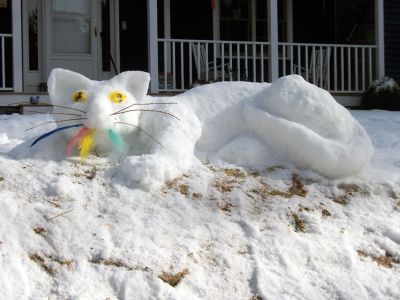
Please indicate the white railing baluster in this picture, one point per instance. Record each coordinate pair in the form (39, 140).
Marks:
(328, 65)
(284, 59)
(238, 61)
(335, 69)
(299, 59)
(3, 64)
(363, 68)
(262, 62)
(190, 64)
(321, 74)
(246, 62)
(254, 63)
(173, 66)
(165, 66)
(306, 62)
(230, 60)
(215, 61)
(349, 68)
(291, 59)
(356, 67)
(314, 61)
(198, 62)
(206, 62)
(222, 61)
(342, 68)
(370, 65)
(182, 69)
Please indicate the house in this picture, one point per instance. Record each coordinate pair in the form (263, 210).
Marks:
(340, 45)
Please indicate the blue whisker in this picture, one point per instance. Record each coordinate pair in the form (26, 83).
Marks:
(53, 131)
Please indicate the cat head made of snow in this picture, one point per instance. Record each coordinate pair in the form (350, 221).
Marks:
(100, 109)
(98, 102)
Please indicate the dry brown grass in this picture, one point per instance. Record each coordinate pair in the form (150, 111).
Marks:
(89, 174)
(118, 264)
(225, 206)
(42, 263)
(299, 224)
(297, 189)
(224, 186)
(237, 173)
(342, 199)
(184, 189)
(39, 230)
(274, 168)
(326, 213)
(173, 279)
(382, 260)
(349, 190)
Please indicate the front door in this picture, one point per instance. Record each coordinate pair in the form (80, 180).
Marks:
(71, 32)
(77, 35)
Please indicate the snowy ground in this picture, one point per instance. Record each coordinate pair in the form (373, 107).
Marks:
(68, 231)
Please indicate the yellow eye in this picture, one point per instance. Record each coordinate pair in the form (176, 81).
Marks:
(117, 97)
(79, 96)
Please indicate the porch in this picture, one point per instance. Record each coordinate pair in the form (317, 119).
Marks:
(247, 40)
(344, 63)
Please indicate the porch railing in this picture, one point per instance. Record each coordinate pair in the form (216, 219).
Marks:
(6, 62)
(336, 68)
(184, 63)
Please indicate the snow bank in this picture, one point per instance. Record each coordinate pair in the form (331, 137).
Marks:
(305, 125)
(253, 125)
(68, 231)
(248, 124)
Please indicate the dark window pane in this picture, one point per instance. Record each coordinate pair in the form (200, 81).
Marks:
(105, 36)
(235, 20)
(33, 35)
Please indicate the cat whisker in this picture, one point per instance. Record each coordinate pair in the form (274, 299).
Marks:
(50, 113)
(146, 110)
(48, 104)
(145, 132)
(58, 121)
(153, 103)
(47, 134)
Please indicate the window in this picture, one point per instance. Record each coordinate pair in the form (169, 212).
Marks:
(33, 35)
(237, 23)
(235, 20)
(105, 36)
(71, 27)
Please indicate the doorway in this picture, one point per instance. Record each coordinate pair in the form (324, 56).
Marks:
(78, 35)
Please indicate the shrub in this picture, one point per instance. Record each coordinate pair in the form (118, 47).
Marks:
(382, 94)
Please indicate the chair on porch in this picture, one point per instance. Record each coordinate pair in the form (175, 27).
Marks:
(319, 65)
(217, 72)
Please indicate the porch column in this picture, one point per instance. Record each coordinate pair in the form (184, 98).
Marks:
(273, 40)
(167, 32)
(153, 44)
(289, 21)
(379, 39)
(216, 27)
(17, 44)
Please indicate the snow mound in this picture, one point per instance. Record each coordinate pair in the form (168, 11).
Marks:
(4, 138)
(304, 124)
(253, 125)
(291, 120)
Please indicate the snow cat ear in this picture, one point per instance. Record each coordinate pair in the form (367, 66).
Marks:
(135, 82)
(62, 83)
